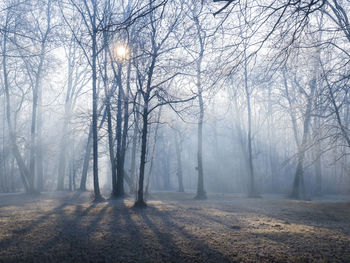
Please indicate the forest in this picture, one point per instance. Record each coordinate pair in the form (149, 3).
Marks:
(174, 131)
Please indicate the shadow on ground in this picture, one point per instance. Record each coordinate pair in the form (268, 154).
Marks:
(73, 229)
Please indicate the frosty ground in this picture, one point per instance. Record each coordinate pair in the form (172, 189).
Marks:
(68, 227)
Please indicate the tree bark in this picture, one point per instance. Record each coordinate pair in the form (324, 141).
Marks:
(140, 201)
(118, 192)
(94, 105)
(201, 194)
(125, 131)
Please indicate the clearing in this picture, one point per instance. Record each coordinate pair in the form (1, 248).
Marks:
(68, 227)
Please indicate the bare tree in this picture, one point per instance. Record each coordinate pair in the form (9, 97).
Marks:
(89, 14)
(154, 89)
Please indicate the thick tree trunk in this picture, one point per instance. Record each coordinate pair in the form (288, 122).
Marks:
(153, 151)
(140, 201)
(201, 194)
(200, 186)
(134, 144)
(298, 186)
(94, 105)
(108, 94)
(118, 192)
(298, 191)
(125, 133)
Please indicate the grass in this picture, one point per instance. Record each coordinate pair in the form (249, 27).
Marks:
(65, 227)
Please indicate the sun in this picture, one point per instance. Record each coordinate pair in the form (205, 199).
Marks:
(121, 52)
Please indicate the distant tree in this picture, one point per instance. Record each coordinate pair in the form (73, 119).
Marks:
(307, 92)
(36, 66)
(75, 82)
(178, 149)
(27, 29)
(198, 32)
(88, 11)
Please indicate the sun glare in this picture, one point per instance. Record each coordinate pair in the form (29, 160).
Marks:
(121, 52)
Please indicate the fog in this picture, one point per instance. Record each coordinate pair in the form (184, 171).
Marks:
(263, 101)
(142, 100)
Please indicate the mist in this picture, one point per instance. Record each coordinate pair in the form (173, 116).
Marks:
(177, 120)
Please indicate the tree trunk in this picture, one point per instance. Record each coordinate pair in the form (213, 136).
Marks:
(298, 191)
(40, 168)
(125, 131)
(200, 186)
(252, 191)
(118, 192)
(24, 172)
(201, 194)
(33, 140)
(179, 162)
(166, 174)
(134, 144)
(111, 144)
(140, 201)
(62, 156)
(86, 161)
(64, 138)
(88, 152)
(302, 149)
(94, 105)
(153, 151)
(318, 172)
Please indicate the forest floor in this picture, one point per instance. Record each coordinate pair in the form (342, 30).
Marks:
(68, 227)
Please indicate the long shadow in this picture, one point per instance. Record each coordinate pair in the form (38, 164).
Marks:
(106, 248)
(73, 221)
(5, 243)
(168, 249)
(70, 240)
(125, 234)
(155, 235)
(201, 251)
